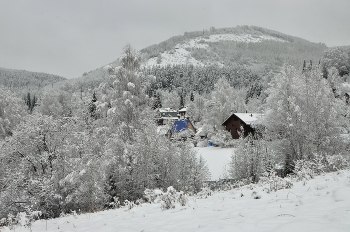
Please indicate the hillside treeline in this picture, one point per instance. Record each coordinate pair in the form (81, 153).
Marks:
(21, 80)
(187, 79)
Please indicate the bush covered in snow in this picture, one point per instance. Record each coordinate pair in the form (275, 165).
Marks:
(171, 197)
(167, 199)
(204, 193)
(307, 169)
(25, 218)
(222, 138)
(274, 182)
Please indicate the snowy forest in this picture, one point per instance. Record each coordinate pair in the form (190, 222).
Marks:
(86, 147)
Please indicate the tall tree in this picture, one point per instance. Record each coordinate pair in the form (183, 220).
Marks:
(157, 102)
(303, 115)
(192, 97)
(182, 103)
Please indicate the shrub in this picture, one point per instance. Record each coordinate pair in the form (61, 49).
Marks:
(275, 182)
(307, 169)
(171, 197)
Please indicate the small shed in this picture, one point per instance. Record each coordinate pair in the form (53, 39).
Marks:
(234, 123)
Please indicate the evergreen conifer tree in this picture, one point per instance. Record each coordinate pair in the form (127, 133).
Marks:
(182, 104)
(157, 102)
(92, 106)
(94, 98)
(304, 66)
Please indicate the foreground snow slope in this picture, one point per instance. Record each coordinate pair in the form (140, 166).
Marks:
(217, 159)
(322, 204)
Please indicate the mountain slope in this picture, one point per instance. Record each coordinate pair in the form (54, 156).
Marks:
(253, 47)
(19, 80)
(196, 60)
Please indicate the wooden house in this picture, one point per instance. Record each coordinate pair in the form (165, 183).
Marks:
(234, 123)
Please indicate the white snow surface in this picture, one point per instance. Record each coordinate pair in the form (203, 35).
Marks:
(181, 56)
(174, 57)
(217, 160)
(248, 118)
(321, 204)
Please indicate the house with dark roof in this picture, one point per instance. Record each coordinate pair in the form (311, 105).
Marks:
(236, 121)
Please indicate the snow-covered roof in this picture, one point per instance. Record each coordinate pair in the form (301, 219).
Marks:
(169, 114)
(165, 110)
(170, 118)
(183, 109)
(247, 118)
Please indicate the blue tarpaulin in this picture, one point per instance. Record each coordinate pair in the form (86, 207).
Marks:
(179, 125)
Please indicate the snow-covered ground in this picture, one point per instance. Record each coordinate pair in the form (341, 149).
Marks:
(174, 57)
(320, 204)
(180, 55)
(217, 160)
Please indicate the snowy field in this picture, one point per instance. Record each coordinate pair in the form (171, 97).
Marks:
(317, 205)
(217, 159)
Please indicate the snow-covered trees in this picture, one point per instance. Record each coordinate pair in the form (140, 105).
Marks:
(57, 103)
(303, 114)
(196, 109)
(52, 165)
(221, 103)
(338, 58)
(12, 110)
(170, 99)
(138, 157)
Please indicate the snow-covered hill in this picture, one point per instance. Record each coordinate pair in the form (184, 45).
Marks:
(181, 54)
(319, 204)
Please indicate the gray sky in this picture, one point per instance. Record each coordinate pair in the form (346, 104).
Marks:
(70, 37)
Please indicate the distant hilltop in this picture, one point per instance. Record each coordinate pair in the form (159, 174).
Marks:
(253, 47)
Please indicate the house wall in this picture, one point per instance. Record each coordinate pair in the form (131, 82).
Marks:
(190, 126)
(233, 125)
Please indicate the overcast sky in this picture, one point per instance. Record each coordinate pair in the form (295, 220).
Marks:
(70, 37)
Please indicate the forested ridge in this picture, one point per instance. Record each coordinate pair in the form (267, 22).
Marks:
(264, 55)
(25, 80)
